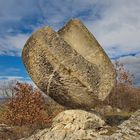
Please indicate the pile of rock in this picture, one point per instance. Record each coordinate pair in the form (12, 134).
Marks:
(83, 125)
(72, 125)
(128, 130)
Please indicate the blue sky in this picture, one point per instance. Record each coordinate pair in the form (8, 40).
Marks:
(115, 24)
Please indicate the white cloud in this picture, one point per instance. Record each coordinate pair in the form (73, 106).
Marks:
(118, 27)
(15, 10)
(11, 77)
(12, 44)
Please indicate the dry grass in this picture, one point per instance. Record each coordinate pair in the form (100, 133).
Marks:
(125, 98)
(17, 132)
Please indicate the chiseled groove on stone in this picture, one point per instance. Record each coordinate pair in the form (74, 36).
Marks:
(78, 36)
(35, 53)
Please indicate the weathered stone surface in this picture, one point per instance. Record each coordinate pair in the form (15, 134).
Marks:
(78, 36)
(130, 129)
(64, 73)
(82, 125)
(60, 71)
(72, 125)
(80, 119)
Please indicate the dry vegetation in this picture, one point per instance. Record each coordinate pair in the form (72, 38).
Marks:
(124, 95)
(25, 113)
(26, 107)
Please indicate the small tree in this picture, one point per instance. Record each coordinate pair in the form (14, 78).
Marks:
(26, 107)
(124, 77)
(124, 95)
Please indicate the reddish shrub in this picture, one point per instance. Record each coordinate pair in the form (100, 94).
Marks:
(26, 107)
(124, 77)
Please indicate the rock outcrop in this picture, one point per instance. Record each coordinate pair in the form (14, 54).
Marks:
(70, 66)
(72, 125)
(83, 125)
(130, 129)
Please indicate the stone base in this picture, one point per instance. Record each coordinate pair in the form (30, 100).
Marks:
(72, 125)
(83, 125)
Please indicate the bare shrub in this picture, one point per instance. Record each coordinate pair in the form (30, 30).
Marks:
(124, 95)
(124, 77)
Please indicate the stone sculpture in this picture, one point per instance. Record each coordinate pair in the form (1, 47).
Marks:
(69, 65)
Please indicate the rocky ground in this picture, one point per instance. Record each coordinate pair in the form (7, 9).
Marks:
(83, 125)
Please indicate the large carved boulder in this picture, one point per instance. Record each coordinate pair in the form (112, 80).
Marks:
(69, 66)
